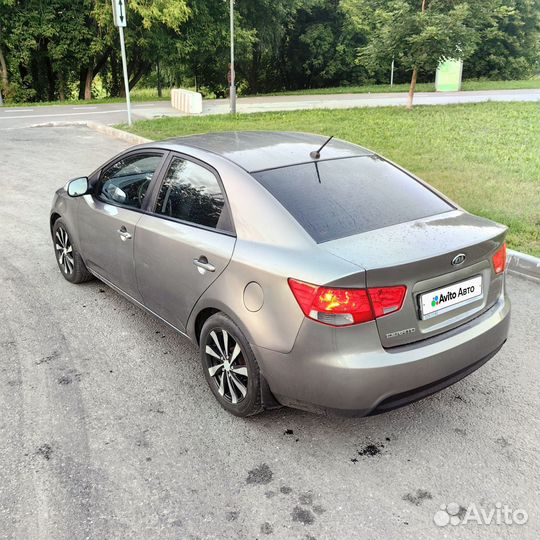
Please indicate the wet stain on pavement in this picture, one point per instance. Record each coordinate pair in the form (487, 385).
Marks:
(47, 359)
(266, 528)
(68, 378)
(233, 516)
(260, 475)
(370, 450)
(302, 515)
(285, 490)
(417, 498)
(45, 451)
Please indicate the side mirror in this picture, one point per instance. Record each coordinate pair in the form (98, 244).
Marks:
(77, 187)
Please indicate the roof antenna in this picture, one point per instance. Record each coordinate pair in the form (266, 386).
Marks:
(316, 154)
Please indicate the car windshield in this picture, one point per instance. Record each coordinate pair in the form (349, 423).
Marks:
(341, 197)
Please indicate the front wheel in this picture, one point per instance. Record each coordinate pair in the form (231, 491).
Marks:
(67, 255)
(230, 367)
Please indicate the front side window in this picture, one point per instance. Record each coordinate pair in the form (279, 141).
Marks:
(126, 182)
(191, 193)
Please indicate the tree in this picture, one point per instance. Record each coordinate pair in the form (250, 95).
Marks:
(265, 22)
(418, 33)
(508, 40)
(319, 47)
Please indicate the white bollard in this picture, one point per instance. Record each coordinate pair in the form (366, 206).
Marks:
(186, 101)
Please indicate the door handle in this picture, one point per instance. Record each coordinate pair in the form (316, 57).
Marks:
(124, 235)
(202, 262)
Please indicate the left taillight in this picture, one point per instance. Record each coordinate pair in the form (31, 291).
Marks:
(499, 260)
(343, 307)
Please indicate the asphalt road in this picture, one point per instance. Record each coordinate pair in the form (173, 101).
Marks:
(115, 113)
(108, 430)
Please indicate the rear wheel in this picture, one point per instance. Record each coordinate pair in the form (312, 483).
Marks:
(230, 367)
(67, 256)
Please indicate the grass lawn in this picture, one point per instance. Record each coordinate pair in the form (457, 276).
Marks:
(484, 156)
(421, 87)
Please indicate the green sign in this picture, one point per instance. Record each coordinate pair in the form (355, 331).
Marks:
(448, 76)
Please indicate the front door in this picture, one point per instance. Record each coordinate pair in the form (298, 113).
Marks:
(187, 241)
(108, 218)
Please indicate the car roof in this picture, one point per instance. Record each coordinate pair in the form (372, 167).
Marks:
(261, 150)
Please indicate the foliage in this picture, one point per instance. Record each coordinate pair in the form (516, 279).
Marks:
(508, 46)
(56, 49)
(417, 39)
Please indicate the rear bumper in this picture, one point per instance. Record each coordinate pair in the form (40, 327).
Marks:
(346, 370)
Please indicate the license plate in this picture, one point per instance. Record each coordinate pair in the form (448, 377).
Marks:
(450, 297)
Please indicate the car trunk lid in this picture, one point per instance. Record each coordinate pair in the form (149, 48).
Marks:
(434, 256)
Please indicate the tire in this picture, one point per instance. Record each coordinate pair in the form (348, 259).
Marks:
(232, 372)
(67, 255)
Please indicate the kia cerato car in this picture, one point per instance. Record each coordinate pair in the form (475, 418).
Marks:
(310, 272)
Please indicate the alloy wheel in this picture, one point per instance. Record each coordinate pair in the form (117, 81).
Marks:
(64, 251)
(226, 365)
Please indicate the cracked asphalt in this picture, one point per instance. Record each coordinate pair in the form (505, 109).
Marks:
(108, 430)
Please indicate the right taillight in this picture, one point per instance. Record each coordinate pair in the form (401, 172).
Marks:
(343, 307)
(499, 260)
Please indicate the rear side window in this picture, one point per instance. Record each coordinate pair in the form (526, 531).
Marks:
(192, 193)
(337, 198)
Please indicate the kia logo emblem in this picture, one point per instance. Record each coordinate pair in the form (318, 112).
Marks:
(459, 259)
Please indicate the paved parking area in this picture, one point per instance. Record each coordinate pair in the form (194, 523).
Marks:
(107, 428)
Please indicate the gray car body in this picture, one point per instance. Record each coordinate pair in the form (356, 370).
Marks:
(358, 370)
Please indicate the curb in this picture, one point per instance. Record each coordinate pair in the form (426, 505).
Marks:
(517, 263)
(101, 128)
(117, 133)
(521, 264)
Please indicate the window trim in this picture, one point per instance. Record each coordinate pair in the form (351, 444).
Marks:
(98, 175)
(152, 199)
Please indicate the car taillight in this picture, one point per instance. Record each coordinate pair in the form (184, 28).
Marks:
(499, 260)
(386, 300)
(341, 307)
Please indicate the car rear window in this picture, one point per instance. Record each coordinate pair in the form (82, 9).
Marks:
(337, 198)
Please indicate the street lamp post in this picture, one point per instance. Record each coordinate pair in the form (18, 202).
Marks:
(232, 86)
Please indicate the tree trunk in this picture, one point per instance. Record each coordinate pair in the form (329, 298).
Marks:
(4, 78)
(82, 79)
(61, 87)
(412, 88)
(142, 69)
(414, 73)
(88, 73)
(4, 87)
(51, 76)
(88, 84)
(159, 90)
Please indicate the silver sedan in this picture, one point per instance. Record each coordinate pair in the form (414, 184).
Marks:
(311, 272)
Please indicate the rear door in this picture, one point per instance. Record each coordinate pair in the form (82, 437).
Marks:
(108, 216)
(185, 241)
